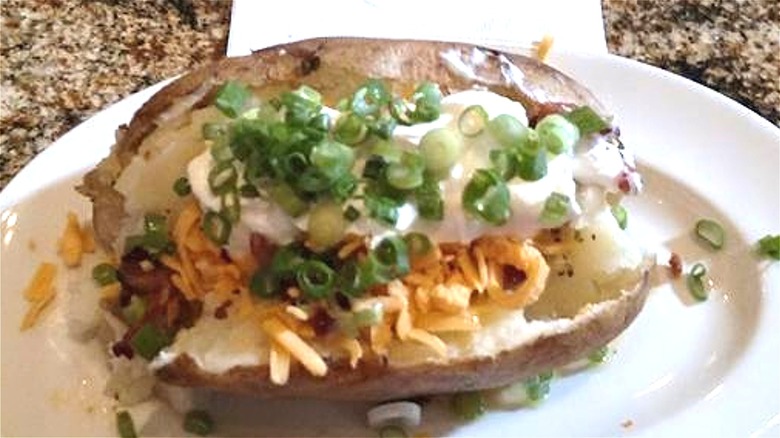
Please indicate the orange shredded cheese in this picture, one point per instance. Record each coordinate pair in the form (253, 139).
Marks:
(279, 364)
(439, 322)
(355, 350)
(39, 293)
(297, 312)
(297, 347)
(71, 243)
(430, 340)
(543, 47)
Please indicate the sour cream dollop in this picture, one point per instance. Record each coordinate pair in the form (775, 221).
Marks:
(595, 162)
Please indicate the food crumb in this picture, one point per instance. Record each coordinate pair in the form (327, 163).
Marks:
(675, 265)
(31, 245)
(627, 424)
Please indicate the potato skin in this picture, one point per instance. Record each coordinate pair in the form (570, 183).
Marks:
(335, 67)
(375, 381)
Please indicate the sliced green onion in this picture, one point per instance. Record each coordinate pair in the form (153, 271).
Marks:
(231, 98)
(301, 105)
(382, 208)
(326, 225)
(320, 122)
(389, 151)
(286, 260)
(621, 216)
(351, 213)
(372, 272)
(149, 340)
(556, 210)
(332, 159)
(441, 149)
(710, 232)
(264, 284)
(155, 238)
(698, 270)
(198, 422)
(504, 163)
(406, 174)
(222, 177)
(350, 129)
(468, 405)
(104, 274)
(125, 426)
(487, 197)
(350, 280)
(182, 186)
(295, 163)
(532, 167)
(430, 204)
(213, 131)
(557, 134)
(392, 432)
(472, 121)
(538, 387)
(383, 127)
(231, 206)
(370, 98)
(134, 312)
(315, 278)
(374, 168)
(286, 198)
(370, 316)
(769, 246)
(587, 120)
(427, 101)
(393, 254)
(418, 243)
(344, 187)
(695, 281)
(599, 355)
(400, 111)
(507, 130)
(216, 227)
(221, 152)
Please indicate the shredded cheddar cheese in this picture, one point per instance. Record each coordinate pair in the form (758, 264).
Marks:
(279, 364)
(543, 47)
(39, 293)
(298, 348)
(71, 246)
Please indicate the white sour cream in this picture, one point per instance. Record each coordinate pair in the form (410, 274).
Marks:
(595, 162)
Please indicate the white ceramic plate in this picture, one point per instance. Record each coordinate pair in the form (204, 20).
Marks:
(708, 369)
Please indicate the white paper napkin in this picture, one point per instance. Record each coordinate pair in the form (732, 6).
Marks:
(575, 25)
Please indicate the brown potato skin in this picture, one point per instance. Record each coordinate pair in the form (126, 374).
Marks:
(335, 67)
(379, 382)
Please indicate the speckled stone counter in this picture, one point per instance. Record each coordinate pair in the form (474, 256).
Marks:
(63, 60)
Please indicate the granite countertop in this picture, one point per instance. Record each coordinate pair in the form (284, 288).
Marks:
(63, 60)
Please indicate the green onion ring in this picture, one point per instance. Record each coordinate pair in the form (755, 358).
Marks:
(711, 232)
(315, 278)
(216, 227)
(472, 121)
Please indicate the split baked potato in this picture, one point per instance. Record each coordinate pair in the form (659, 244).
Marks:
(445, 311)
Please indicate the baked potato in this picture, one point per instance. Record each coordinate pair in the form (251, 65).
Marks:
(258, 207)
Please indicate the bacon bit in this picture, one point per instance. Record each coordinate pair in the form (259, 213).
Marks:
(122, 348)
(221, 311)
(512, 277)
(675, 265)
(39, 293)
(262, 248)
(624, 183)
(321, 321)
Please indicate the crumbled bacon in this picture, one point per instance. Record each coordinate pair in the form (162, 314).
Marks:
(321, 322)
(512, 277)
(675, 265)
(262, 249)
(136, 276)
